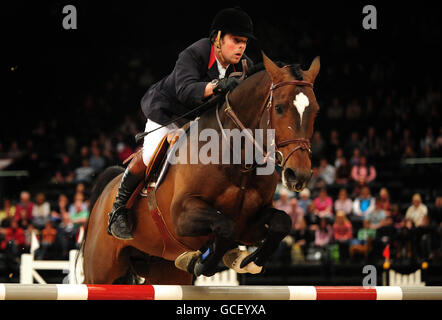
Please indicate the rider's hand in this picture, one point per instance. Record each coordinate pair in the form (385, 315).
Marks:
(225, 85)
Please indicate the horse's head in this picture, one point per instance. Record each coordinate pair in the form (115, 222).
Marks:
(292, 110)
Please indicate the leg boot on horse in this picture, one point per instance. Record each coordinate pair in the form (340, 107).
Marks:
(120, 223)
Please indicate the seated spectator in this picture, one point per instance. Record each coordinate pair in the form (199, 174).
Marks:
(398, 218)
(84, 173)
(343, 202)
(302, 237)
(304, 199)
(376, 216)
(326, 172)
(78, 196)
(6, 213)
(48, 235)
(283, 203)
(323, 233)
(40, 211)
(65, 172)
(384, 198)
(96, 160)
(355, 159)
(79, 216)
(343, 172)
(60, 208)
(362, 205)
(24, 204)
(363, 173)
(65, 237)
(342, 233)
(323, 204)
(363, 241)
(417, 211)
(295, 212)
(14, 241)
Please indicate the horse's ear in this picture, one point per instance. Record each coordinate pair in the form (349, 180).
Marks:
(272, 69)
(313, 71)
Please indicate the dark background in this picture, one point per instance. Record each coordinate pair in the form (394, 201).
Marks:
(56, 68)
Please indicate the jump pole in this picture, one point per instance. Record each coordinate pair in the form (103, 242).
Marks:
(172, 292)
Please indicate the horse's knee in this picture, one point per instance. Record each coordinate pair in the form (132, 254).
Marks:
(280, 223)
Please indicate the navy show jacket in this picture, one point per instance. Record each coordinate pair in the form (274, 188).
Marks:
(183, 89)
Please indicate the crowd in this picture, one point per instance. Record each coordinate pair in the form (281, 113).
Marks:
(360, 225)
(364, 130)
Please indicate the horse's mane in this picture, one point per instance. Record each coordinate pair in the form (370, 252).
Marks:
(295, 69)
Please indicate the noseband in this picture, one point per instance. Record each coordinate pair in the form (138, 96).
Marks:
(302, 143)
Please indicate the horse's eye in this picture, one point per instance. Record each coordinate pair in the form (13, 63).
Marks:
(279, 109)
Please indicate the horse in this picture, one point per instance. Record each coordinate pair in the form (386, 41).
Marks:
(208, 209)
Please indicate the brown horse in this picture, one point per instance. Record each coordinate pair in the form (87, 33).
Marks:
(208, 209)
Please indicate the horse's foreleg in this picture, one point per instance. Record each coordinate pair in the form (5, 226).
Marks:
(279, 224)
(199, 219)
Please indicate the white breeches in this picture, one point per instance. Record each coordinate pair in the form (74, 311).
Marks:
(152, 140)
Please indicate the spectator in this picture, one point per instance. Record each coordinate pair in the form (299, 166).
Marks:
(40, 211)
(405, 239)
(48, 235)
(295, 212)
(427, 239)
(302, 236)
(15, 240)
(323, 233)
(323, 204)
(342, 233)
(24, 204)
(362, 243)
(65, 237)
(318, 146)
(363, 173)
(335, 111)
(78, 197)
(304, 199)
(343, 202)
(343, 172)
(384, 200)
(371, 143)
(64, 173)
(59, 209)
(79, 216)
(96, 160)
(385, 235)
(6, 213)
(376, 216)
(326, 171)
(398, 218)
(362, 205)
(283, 203)
(417, 211)
(84, 173)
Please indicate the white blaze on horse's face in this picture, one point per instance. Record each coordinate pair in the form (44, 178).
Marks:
(301, 102)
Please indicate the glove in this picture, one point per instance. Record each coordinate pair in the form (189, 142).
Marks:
(225, 85)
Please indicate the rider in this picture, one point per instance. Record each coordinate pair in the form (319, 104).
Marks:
(200, 71)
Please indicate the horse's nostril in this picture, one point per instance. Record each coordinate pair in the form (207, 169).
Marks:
(289, 174)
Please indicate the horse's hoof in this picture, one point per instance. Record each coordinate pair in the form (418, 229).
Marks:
(233, 259)
(186, 261)
(120, 228)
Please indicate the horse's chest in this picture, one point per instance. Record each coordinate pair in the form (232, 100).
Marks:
(234, 200)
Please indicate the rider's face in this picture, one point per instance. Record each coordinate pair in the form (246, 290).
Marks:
(233, 47)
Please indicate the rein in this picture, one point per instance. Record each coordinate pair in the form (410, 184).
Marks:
(303, 143)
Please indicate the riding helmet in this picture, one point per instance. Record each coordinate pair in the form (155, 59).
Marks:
(234, 21)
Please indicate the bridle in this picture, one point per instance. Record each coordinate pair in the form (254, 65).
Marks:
(301, 143)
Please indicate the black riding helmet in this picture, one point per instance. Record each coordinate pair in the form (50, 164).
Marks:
(234, 21)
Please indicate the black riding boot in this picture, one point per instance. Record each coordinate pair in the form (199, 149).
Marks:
(120, 222)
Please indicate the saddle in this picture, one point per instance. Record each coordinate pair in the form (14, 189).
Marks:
(155, 172)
